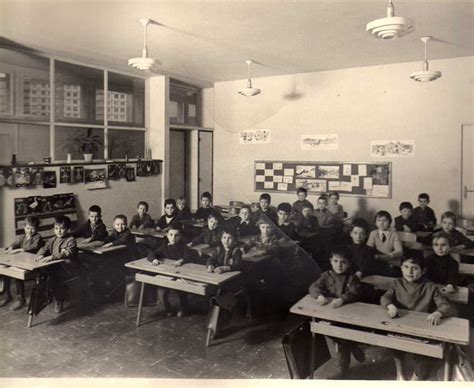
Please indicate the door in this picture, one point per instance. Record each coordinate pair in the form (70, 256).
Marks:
(178, 153)
(467, 202)
(205, 161)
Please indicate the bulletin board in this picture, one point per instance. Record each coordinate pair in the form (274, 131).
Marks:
(363, 179)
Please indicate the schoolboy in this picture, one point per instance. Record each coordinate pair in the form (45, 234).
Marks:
(227, 257)
(423, 216)
(341, 284)
(170, 219)
(243, 223)
(301, 193)
(264, 210)
(94, 229)
(206, 208)
(327, 221)
(182, 210)
(334, 207)
(383, 240)
(457, 239)
(174, 249)
(307, 223)
(405, 222)
(441, 268)
(30, 242)
(412, 292)
(283, 223)
(210, 234)
(142, 219)
(61, 246)
(121, 235)
(363, 256)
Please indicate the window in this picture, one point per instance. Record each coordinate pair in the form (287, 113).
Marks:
(78, 141)
(6, 94)
(123, 143)
(184, 104)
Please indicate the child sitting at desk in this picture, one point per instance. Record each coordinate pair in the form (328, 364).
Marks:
(441, 268)
(170, 219)
(302, 193)
(423, 216)
(341, 284)
(334, 207)
(383, 240)
(283, 223)
(328, 223)
(206, 208)
(64, 247)
(182, 210)
(264, 210)
(121, 235)
(174, 249)
(363, 256)
(308, 234)
(243, 224)
(405, 222)
(228, 256)
(458, 240)
(30, 242)
(412, 292)
(210, 234)
(142, 219)
(94, 229)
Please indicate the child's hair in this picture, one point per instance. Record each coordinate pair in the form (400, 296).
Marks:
(449, 215)
(383, 213)
(95, 209)
(405, 205)
(341, 251)
(121, 217)
(173, 227)
(262, 221)
(306, 206)
(212, 215)
(302, 190)
(170, 201)
(32, 221)
(227, 231)
(334, 193)
(266, 197)
(323, 197)
(144, 204)
(284, 207)
(424, 196)
(417, 259)
(440, 235)
(63, 220)
(207, 195)
(360, 223)
(246, 207)
(181, 198)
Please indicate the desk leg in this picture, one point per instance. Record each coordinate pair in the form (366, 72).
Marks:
(313, 354)
(447, 362)
(140, 303)
(30, 320)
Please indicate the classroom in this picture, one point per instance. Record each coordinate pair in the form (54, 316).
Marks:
(259, 190)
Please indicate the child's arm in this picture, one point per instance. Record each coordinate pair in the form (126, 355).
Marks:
(212, 261)
(234, 264)
(15, 246)
(318, 289)
(432, 218)
(443, 308)
(387, 302)
(34, 244)
(45, 250)
(123, 239)
(156, 257)
(371, 239)
(100, 233)
(69, 250)
(198, 240)
(135, 222)
(352, 292)
(397, 250)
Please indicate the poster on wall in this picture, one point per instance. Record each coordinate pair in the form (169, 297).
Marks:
(130, 174)
(254, 136)
(6, 176)
(95, 175)
(392, 148)
(49, 180)
(36, 176)
(78, 174)
(328, 172)
(320, 142)
(22, 177)
(312, 185)
(65, 175)
(305, 172)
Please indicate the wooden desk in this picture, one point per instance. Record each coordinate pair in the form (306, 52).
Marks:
(194, 223)
(149, 232)
(97, 247)
(369, 324)
(466, 269)
(460, 295)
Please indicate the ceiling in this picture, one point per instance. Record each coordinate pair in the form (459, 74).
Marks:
(205, 42)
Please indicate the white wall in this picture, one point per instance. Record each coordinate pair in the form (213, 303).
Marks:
(360, 105)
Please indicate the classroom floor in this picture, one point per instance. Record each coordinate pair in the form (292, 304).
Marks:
(103, 341)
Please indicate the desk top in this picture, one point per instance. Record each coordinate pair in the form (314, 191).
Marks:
(454, 330)
(96, 247)
(460, 295)
(195, 223)
(253, 255)
(149, 232)
(466, 269)
(24, 260)
(191, 271)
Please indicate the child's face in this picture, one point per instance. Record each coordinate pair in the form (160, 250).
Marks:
(265, 229)
(30, 230)
(60, 230)
(448, 224)
(205, 202)
(227, 240)
(339, 264)
(382, 223)
(306, 211)
(301, 196)
(169, 209)
(423, 202)
(94, 217)
(333, 199)
(322, 204)
(119, 225)
(244, 214)
(212, 223)
(141, 210)
(264, 204)
(411, 272)
(283, 216)
(406, 213)
(180, 203)
(174, 236)
(441, 246)
(358, 235)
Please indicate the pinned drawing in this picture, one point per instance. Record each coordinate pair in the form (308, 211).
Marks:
(312, 185)
(254, 136)
(320, 142)
(328, 172)
(305, 172)
(392, 148)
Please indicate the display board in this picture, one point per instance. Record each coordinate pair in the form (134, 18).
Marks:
(365, 179)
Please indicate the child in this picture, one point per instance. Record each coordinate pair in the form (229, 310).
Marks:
(243, 224)
(412, 292)
(441, 268)
(327, 221)
(342, 285)
(458, 240)
(182, 210)
(121, 235)
(287, 227)
(61, 246)
(170, 219)
(404, 222)
(308, 223)
(30, 242)
(334, 207)
(209, 234)
(383, 240)
(363, 256)
(228, 256)
(94, 229)
(206, 208)
(174, 249)
(264, 209)
(423, 216)
(142, 220)
(266, 241)
(302, 193)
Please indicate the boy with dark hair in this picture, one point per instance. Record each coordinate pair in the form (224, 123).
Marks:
(210, 234)
(170, 219)
(457, 239)
(302, 193)
(121, 235)
(423, 216)
(383, 240)
(405, 222)
(94, 229)
(142, 219)
(206, 208)
(283, 223)
(182, 210)
(243, 223)
(363, 256)
(264, 210)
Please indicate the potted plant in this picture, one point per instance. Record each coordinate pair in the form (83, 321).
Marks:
(83, 143)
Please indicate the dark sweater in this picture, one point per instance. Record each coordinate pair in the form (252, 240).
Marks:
(209, 237)
(298, 205)
(184, 214)
(424, 217)
(231, 258)
(243, 228)
(289, 230)
(363, 259)
(142, 222)
(164, 222)
(98, 233)
(203, 213)
(124, 238)
(346, 286)
(442, 269)
(31, 245)
(400, 222)
(177, 251)
(308, 225)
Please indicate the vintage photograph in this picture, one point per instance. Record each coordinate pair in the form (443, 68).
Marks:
(49, 179)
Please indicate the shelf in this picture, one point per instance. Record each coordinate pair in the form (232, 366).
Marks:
(77, 163)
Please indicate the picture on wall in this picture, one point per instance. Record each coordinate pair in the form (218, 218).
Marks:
(254, 136)
(65, 175)
(312, 185)
(328, 172)
(95, 175)
(49, 180)
(305, 172)
(392, 148)
(78, 174)
(155, 167)
(144, 168)
(320, 142)
(36, 174)
(130, 174)
(6, 176)
(22, 177)
(112, 172)
(122, 171)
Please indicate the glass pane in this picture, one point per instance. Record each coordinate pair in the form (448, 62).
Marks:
(77, 142)
(7, 142)
(125, 102)
(192, 98)
(32, 146)
(76, 90)
(123, 143)
(6, 94)
(184, 105)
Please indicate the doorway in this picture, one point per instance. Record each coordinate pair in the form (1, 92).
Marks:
(205, 161)
(179, 159)
(467, 179)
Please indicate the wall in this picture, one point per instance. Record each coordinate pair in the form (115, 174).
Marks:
(360, 105)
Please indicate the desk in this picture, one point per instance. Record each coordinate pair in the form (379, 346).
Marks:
(460, 295)
(97, 247)
(149, 232)
(466, 269)
(194, 223)
(366, 323)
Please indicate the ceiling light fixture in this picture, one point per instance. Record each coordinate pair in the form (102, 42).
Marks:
(392, 26)
(144, 63)
(426, 75)
(249, 91)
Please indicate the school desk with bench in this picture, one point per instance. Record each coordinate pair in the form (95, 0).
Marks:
(367, 323)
